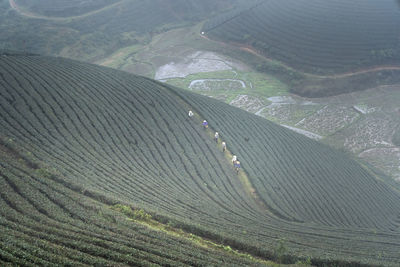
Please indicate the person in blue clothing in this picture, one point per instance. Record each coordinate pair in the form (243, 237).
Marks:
(237, 165)
(205, 124)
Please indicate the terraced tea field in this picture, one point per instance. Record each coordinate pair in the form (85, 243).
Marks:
(44, 220)
(79, 138)
(316, 36)
(321, 118)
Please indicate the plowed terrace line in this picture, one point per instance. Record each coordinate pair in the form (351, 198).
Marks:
(36, 16)
(251, 50)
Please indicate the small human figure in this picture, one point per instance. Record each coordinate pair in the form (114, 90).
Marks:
(205, 124)
(223, 146)
(216, 136)
(237, 166)
(234, 158)
(190, 114)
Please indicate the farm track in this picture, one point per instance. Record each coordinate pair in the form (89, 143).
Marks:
(333, 76)
(28, 14)
(129, 138)
(253, 51)
(248, 187)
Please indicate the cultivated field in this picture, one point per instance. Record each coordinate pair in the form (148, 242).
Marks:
(316, 36)
(178, 52)
(102, 137)
(45, 220)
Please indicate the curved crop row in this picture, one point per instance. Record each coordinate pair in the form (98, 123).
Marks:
(317, 36)
(299, 177)
(127, 137)
(45, 223)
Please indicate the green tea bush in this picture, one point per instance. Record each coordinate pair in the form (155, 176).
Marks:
(313, 36)
(116, 138)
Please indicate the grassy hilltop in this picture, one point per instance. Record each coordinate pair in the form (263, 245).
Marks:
(94, 162)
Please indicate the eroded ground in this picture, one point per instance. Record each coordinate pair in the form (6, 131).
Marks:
(362, 123)
(196, 62)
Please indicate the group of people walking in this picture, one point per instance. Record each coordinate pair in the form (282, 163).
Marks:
(235, 160)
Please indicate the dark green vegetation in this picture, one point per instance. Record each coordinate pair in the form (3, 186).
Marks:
(97, 137)
(45, 220)
(275, 182)
(89, 30)
(317, 36)
(318, 48)
(304, 36)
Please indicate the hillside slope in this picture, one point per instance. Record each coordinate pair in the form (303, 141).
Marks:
(46, 221)
(317, 36)
(123, 137)
(300, 178)
(89, 30)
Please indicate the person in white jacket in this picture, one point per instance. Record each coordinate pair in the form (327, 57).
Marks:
(234, 158)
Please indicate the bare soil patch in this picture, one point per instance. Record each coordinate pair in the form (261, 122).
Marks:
(197, 62)
(249, 103)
